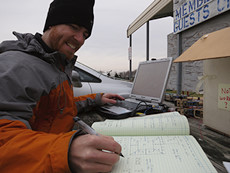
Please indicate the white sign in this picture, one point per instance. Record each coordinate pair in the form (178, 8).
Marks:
(130, 53)
(224, 96)
(193, 12)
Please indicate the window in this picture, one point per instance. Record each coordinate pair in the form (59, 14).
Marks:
(85, 76)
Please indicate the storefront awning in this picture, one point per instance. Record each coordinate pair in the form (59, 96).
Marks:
(158, 9)
(209, 46)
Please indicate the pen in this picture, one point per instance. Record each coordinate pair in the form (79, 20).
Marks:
(87, 128)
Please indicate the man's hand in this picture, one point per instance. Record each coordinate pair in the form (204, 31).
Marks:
(111, 98)
(91, 153)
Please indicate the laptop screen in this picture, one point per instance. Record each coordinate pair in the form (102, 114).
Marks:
(151, 80)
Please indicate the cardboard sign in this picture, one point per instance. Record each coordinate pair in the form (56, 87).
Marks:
(210, 46)
(224, 96)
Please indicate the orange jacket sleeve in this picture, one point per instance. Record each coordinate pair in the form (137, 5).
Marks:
(87, 102)
(32, 151)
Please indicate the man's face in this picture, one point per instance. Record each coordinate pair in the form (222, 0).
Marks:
(67, 39)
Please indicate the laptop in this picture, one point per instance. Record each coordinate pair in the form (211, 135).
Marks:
(147, 91)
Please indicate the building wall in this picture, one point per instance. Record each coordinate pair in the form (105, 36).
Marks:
(191, 70)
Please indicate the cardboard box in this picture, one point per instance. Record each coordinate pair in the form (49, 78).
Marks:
(214, 49)
(216, 94)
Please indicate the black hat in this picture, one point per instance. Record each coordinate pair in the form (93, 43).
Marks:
(78, 12)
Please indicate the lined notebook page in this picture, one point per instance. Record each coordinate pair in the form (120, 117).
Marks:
(160, 154)
(171, 123)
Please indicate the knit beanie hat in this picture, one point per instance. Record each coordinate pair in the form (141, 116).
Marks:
(79, 12)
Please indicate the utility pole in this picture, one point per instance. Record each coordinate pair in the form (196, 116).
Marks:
(130, 57)
(147, 41)
(179, 72)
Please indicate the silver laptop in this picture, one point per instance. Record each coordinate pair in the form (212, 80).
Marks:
(148, 87)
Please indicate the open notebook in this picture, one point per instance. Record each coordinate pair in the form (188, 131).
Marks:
(156, 143)
(148, 89)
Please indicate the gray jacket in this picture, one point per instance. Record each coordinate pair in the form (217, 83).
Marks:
(28, 74)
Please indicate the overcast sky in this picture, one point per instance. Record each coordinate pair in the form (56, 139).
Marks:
(107, 48)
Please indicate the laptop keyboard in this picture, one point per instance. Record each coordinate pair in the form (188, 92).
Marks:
(131, 105)
(126, 107)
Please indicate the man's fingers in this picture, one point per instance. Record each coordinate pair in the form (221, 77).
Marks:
(111, 144)
(93, 153)
(104, 157)
(111, 98)
(93, 167)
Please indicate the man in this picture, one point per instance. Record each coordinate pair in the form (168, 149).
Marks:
(36, 99)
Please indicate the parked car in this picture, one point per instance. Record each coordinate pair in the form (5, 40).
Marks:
(87, 80)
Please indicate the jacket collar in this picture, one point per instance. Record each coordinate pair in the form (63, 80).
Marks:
(34, 45)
